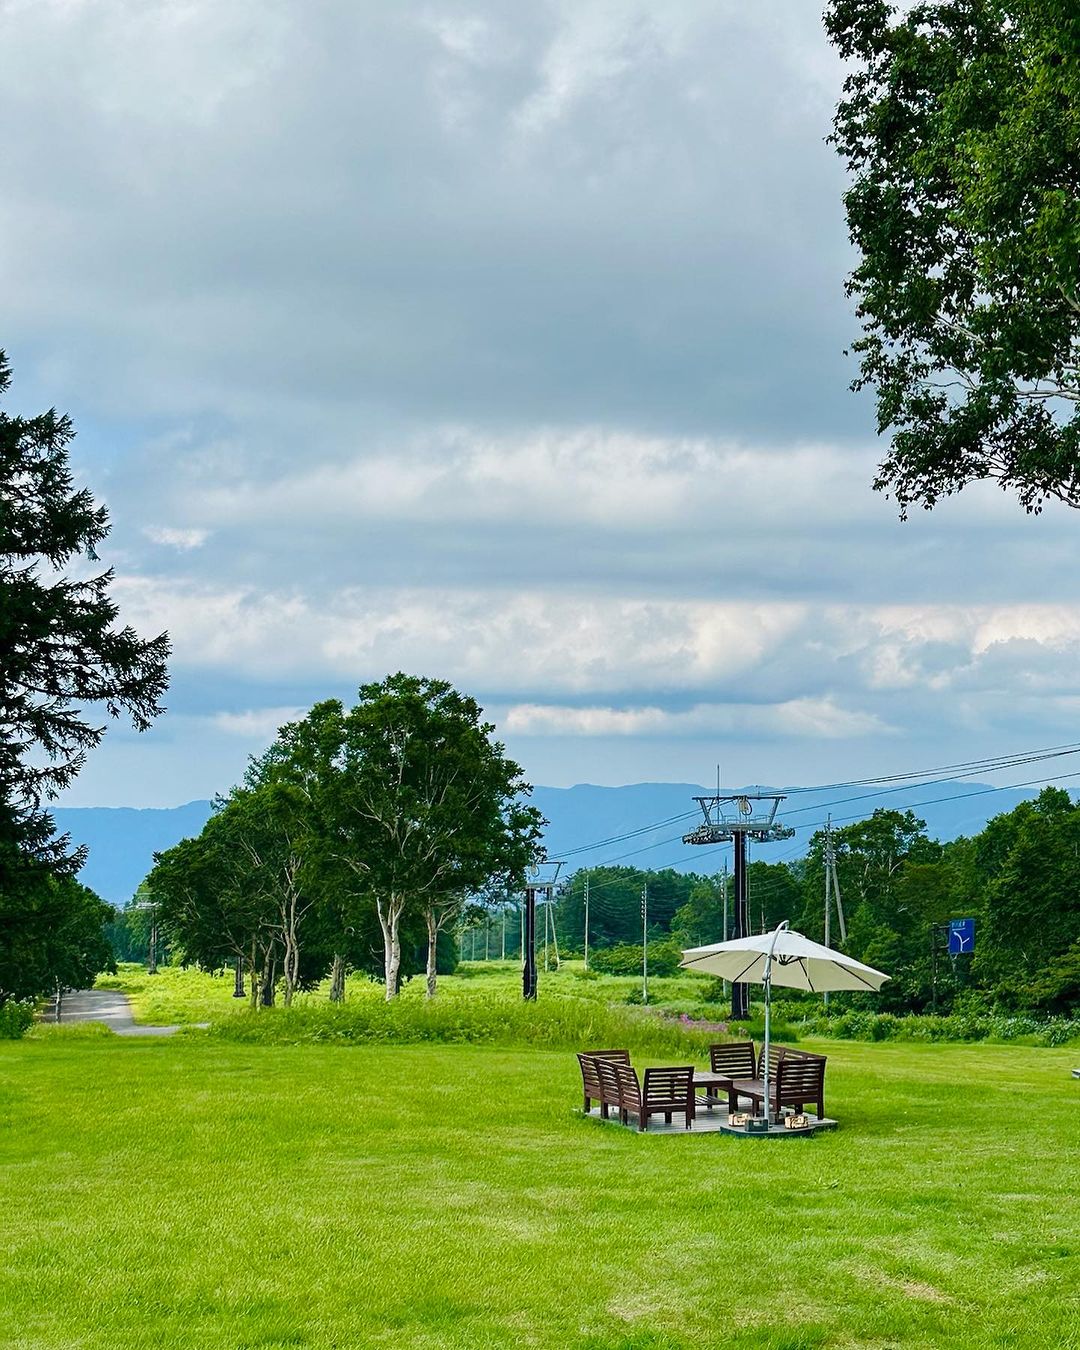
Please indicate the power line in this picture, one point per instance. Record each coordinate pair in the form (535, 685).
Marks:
(812, 825)
(963, 769)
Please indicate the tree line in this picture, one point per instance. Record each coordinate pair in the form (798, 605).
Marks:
(356, 841)
(1019, 879)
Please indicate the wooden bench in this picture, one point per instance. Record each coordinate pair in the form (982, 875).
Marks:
(795, 1078)
(732, 1059)
(590, 1076)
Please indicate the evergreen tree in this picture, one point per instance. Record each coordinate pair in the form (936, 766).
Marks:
(61, 651)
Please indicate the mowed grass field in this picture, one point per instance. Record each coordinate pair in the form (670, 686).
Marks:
(192, 1192)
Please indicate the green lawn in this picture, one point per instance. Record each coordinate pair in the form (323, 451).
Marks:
(193, 1192)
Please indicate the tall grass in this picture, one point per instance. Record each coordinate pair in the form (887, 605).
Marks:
(483, 1019)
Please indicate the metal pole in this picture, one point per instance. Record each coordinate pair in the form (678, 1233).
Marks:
(238, 985)
(586, 920)
(645, 943)
(724, 983)
(828, 878)
(502, 950)
(528, 968)
(547, 920)
(740, 994)
(767, 984)
(152, 954)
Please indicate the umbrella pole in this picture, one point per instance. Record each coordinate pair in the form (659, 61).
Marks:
(767, 982)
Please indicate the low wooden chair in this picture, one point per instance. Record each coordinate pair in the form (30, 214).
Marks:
(731, 1059)
(665, 1092)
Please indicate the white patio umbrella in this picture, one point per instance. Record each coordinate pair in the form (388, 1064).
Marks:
(782, 957)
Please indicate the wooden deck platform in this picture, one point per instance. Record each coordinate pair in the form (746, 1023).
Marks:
(715, 1122)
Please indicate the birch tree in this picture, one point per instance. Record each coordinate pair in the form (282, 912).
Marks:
(429, 805)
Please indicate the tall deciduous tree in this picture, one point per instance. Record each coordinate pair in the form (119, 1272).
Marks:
(960, 123)
(428, 804)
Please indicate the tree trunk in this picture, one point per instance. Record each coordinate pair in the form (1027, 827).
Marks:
(269, 979)
(432, 945)
(337, 979)
(389, 919)
(253, 979)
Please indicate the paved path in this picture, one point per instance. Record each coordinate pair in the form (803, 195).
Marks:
(103, 1005)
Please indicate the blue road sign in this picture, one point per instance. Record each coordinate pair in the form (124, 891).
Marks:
(961, 936)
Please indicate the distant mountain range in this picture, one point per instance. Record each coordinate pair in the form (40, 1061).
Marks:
(641, 825)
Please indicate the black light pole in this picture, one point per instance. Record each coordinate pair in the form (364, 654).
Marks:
(528, 975)
(740, 993)
(238, 987)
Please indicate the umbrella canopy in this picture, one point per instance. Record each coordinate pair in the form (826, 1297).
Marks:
(797, 963)
(781, 957)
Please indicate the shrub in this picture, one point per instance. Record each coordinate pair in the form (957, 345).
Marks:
(16, 1018)
(863, 1025)
(626, 959)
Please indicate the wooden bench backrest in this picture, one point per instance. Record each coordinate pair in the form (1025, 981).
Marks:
(735, 1059)
(626, 1077)
(669, 1085)
(801, 1074)
(776, 1054)
(590, 1074)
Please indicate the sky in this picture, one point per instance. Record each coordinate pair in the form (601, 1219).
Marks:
(505, 344)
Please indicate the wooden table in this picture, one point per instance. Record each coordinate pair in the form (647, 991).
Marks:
(709, 1083)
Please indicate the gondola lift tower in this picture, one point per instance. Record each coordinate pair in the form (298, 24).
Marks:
(733, 819)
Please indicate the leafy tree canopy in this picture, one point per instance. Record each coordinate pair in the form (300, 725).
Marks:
(960, 124)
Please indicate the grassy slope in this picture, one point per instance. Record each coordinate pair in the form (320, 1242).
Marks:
(197, 1193)
(175, 995)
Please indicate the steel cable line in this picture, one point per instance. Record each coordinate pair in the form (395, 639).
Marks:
(813, 825)
(963, 769)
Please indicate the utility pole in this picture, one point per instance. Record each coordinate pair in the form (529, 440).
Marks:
(832, 889)
(502, 949)
(645, 943)
(586, 918)
(733, 819)
(238, 983)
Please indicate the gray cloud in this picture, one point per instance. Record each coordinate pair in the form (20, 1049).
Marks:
(502, 342)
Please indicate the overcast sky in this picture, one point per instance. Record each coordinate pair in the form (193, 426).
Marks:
(502, 343)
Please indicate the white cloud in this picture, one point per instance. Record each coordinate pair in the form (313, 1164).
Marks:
(183, 540)
(810, 718)
(256, 724)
